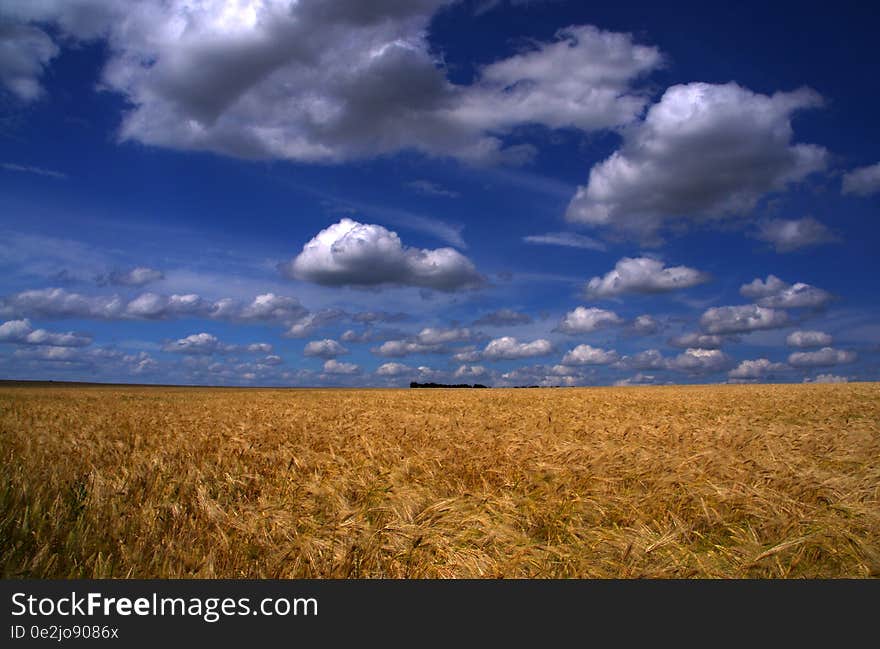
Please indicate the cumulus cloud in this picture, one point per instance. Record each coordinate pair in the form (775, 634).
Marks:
(759, 288)
(586, 355)
(643, 275)
(755, 369)
(650, 359)
(703, 151)
(311, 322)
(59, 303)
(332, 80)
(824, 357)
(775, 293)
(349, 253)
(586, 319)
(694, 339)
(509, 348)
(138, 276)
(471, 372)
(394, 369)
(566, 240)
(152, 305)
(269, 307)
(788, 235)
(21, 332)
(333, 366)
(440, 336)
(644, 325)
(808, 339)
(863, 181)
(637, 379)
(326, 348)
(201, 343)
(700, 361)
(827, 378)
(503, 318)
(742, 319)
(370, 317)
(25, 51)
(400, 348)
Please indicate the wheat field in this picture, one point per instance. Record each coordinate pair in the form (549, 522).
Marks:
(745, 481)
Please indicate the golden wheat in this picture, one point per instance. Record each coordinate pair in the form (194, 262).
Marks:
(702, 481)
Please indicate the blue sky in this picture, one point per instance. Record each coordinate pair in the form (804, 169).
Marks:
(510, 193)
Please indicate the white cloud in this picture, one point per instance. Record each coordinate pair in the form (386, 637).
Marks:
(138, 276)
(775, 293)
(586, 355)
(310, 323)
(269, 307)
(787, 235)
(468, 354)
(755, 369)
(394, 369)
(703, 151)
(509, 348)
(759, 288)
(808, 339)
(59, 303)
(471, 372)
(326, 348)
(645, 325)
(741, 319)
(399, 348)
(152, 305)
(824, 357)
(705, 341)
(587, 319)
(30, 169)
(437, 336)
(24, 52)
(863, 181)
(357, 254)
(700, 361)
(637, 379)
(643, 275)
(21, 332)
(827, 378)
(201, 343)
(333, 366)
(566, 239)
(650, 359)
(332, 80)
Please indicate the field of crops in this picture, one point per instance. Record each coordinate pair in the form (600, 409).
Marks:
(703, 481)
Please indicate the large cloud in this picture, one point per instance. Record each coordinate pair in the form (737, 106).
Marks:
(700, 361)
(742, 319)
(60, 303)
(358, 254)
(586, 355)
(508, 348)
(825, 357)
(788, 235)
(703, 151)
(586, 319)
(643, 275)
(24, 52)
(756, 369)
(808, 339)
(138, 276)
(22, 333)
(863, 181)
(326, 348)
(775, 293)
(334, 80)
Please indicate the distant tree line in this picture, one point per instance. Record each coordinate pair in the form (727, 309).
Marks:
(415, 384)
